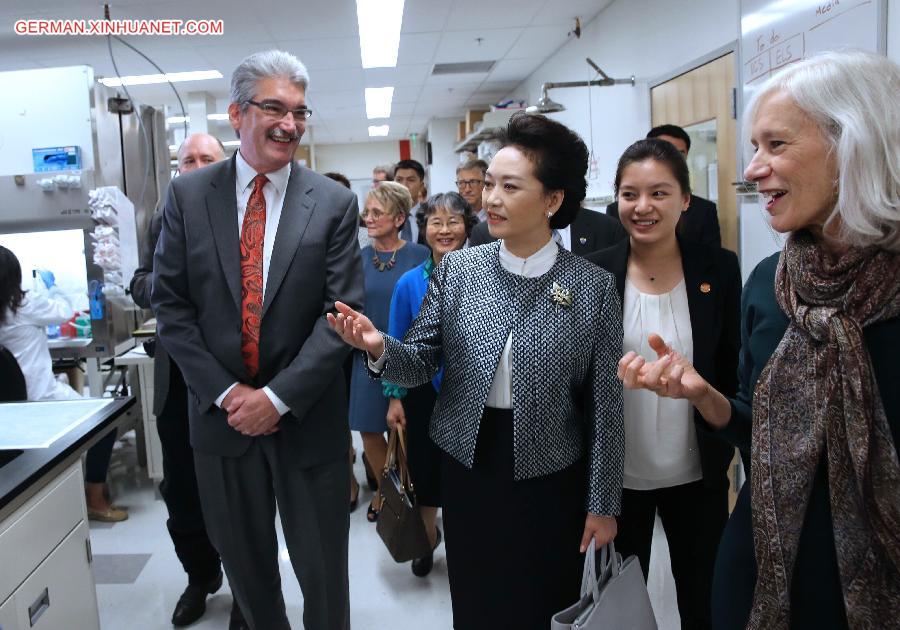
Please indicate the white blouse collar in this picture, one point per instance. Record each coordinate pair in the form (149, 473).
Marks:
(535, 265)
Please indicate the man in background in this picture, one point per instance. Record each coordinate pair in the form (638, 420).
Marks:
(383, 173)
(700, 222)
(411, 174)
(179, 485)
(470, 184)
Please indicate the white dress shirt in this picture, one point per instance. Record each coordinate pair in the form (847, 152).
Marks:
(539, 263)
(660, 438)
(563, 236)
(273, 191)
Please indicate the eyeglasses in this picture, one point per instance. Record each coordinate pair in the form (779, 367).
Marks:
(375, 214)
(468, 183)
(450, 223)
(274, 109)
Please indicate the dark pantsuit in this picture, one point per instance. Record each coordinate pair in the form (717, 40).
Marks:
(179, 485)
(694, 517)
(512, 546)
(96, 461)
(312, 503)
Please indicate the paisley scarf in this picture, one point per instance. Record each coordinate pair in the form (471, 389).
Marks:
(817, 396)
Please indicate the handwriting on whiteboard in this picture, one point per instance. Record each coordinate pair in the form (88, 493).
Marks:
(773, 52)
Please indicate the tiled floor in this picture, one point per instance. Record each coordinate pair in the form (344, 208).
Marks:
(139, 579)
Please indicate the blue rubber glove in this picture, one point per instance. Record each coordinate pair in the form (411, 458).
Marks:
(48, 277)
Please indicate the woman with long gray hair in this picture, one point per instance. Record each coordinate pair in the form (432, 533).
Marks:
(814, 540)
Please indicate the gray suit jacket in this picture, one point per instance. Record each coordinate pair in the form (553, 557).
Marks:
(196, 296)
(567, 399)
(141, 283)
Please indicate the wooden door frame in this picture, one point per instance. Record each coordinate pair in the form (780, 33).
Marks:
(736, 106)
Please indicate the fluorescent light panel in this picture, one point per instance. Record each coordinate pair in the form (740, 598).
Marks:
(379, 31)
(150, 79)
(378, 102)
(232, 143)
(378, 130)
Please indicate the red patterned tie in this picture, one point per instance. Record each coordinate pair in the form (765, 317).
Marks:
(252, 235)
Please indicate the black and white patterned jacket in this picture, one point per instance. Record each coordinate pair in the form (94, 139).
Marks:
(566, 397)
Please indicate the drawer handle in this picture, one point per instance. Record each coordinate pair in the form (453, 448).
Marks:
(39, 607)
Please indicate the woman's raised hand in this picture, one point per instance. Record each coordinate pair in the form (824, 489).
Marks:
(357, 330)
(671, 375)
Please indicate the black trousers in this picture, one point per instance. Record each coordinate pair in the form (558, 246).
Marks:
(512, 546)
(239, 496)
(693, 516)
(179, 486)
(96, 460)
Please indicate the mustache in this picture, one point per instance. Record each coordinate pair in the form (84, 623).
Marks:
(280, 134)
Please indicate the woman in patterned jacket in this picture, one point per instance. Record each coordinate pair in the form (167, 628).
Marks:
(529, 417)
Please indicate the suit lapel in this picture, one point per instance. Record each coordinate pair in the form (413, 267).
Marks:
(582, 235)
(702, 293)
(618, 265)
(221, 206)
(295, 215)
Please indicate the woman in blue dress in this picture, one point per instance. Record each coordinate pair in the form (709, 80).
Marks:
(448, 222)
(384, 261)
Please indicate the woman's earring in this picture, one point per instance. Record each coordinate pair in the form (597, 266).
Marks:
(549, 215)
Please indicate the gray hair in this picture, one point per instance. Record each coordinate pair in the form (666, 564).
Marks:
(852, 96)
(454, 203)
(387, 169)
(265, 65)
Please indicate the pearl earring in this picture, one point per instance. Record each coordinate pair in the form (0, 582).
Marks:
(549, 215)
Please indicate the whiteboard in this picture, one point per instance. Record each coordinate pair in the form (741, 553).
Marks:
(774, 34)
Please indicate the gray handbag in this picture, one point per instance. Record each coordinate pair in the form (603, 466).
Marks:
(613, 598)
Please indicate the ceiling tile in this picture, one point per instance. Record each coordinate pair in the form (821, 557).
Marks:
(324, 54)
(416, 48)
(538, 41)
(467, 14)
(515, 70)
(464, 45)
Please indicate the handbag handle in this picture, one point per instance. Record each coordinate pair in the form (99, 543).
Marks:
(396, 456)
(610, 560)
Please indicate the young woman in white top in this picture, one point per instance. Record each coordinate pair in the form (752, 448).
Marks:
(24, 317)
(690, 294)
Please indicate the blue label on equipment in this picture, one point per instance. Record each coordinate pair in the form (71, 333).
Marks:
(56, 159)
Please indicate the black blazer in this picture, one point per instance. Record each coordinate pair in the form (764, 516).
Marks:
(591, 231)
(699, 223)
(712, 277)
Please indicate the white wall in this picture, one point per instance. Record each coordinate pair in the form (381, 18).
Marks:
(357, 160)
(442, 172)
(644, 38)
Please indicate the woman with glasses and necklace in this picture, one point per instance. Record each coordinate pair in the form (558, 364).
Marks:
(448, 221)
(529, 416)
(384, 261)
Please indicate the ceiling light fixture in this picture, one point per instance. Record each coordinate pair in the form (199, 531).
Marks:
(231, 143)
(169, 77)
(379, 31)
(378, 102)
(378, 130)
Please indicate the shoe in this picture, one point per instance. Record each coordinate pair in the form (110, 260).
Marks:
(112, 514)
(422, 566)
(237, 621)
(372, 514)
(370, 476)
(192, 603)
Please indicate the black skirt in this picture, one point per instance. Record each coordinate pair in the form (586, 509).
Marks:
(424, 456)
(512, 546)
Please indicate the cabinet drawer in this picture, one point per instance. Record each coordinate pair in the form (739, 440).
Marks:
(35, 529)
(61, 593)
(8, 619)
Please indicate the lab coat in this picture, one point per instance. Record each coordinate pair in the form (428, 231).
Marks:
(25, 335)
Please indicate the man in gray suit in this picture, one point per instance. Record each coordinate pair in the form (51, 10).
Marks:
(179, 485)
(253, 252)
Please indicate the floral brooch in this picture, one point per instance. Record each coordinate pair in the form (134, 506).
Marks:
(561, 296)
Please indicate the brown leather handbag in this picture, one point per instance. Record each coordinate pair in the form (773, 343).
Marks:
(399, 523)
